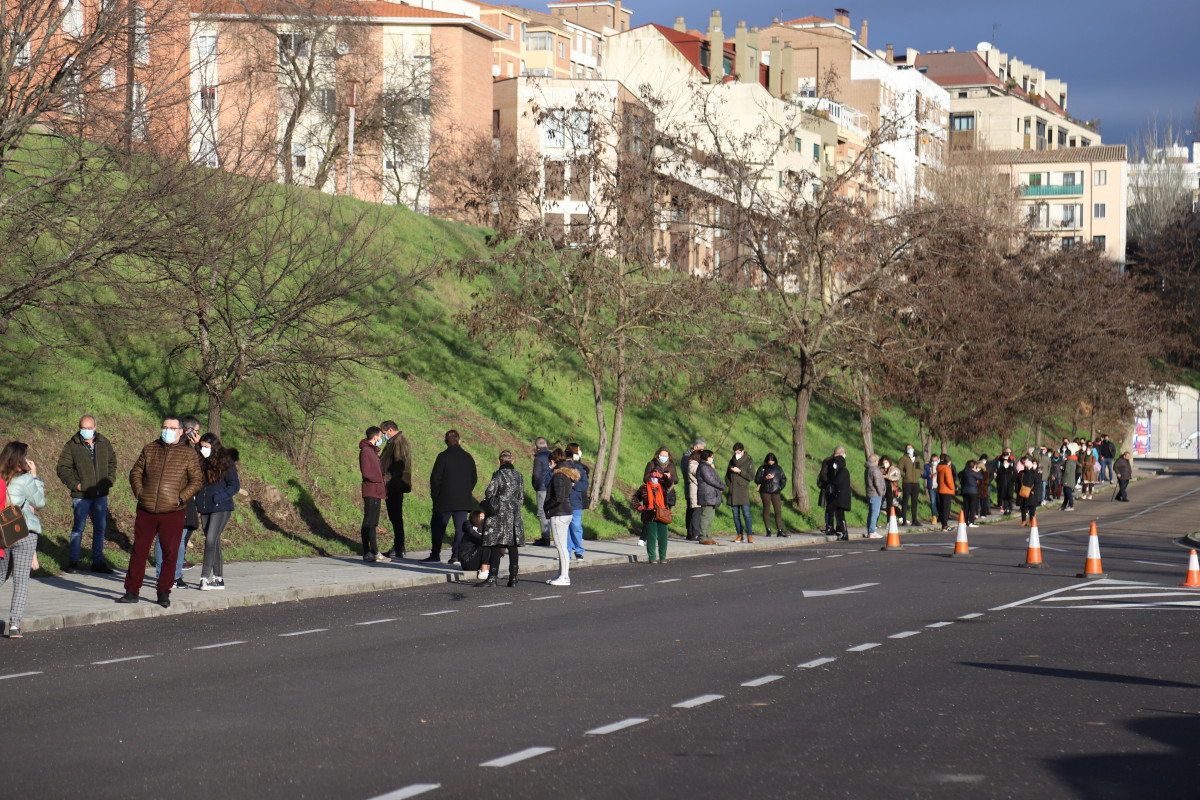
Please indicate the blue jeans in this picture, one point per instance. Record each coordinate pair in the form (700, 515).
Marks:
(933, 502)
(97, 509)
(1106, 471)
(873, 506)
(158, 556)
(741, 513)
(575, 532)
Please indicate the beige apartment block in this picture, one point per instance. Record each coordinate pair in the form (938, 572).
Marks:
(1000, 103)
(604, 16)
(1078, 195)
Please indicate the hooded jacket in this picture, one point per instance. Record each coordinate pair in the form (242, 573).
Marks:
(558, 496)
(165, 476)
(95, 468)
(579, 491)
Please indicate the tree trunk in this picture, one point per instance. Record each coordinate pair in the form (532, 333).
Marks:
(926, 442)
(1008, 440)
(944, 448)
(215, 405)
(602, 439)
(1037, 436)
(610, 471)
(864, 419)
(803, 399)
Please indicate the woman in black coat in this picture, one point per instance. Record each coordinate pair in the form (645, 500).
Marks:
(839, 494)
(505, 528)
(771, 480)
(1006, 478)
(1031, 476)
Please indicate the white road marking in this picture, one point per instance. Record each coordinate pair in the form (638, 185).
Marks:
(435, 613)
(617, 726)
(1155, 564)
(591, 591)
(505, 603)
(1055, 549)
(632, 586)
(1119, 596)
(409, 791)
(938, 624)
(858, 648)
(215, 646)
(1125, 519)
(785, 562)
(546, 597)
(698, 701)
(703, 575)
(903, 634)
(844, 590)
(1108, 585)
(118, 660)
(520, 755)
(739, 569)
(763, 680)
(816, 662)
(854, 553)
(763, 566)
(818, 558)
(1037, 597)
(1170, 604)
(669, 580)
(377, 621)
(303, 633)
(19, 675)
(971, 616)
(838, 555)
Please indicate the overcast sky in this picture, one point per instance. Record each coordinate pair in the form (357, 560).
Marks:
(1123, 62)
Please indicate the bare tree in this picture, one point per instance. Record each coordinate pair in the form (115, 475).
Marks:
(1160, 189)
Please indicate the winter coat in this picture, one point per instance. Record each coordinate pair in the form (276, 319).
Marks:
(770, 479)
(945, 478)
(395, 462)
(1123, 469)
(29, 493)
(541, 470)
(1087, 463)
(165, 477)
(739, 482)
(1043, 462)
(690, 467)
(708, 485)
(1005, 480)
(823, 476)
(892, 476)
(1070, 471)
(1107, 449)
(579, 491)
(372, 473)
(1033, 479)
(910, 469)
(558, 496)
(469, 555)
(453, 480)
(838, 486)
(873, 478)
(505, 494)
(218, 496)
(970, 481)
(95, 468)
(985, 481)
(670, 477)
(929, 475)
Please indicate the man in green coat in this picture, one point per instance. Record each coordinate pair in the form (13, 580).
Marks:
(738, 477)
(87, 466)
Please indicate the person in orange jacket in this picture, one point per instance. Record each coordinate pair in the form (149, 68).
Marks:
(945, 489)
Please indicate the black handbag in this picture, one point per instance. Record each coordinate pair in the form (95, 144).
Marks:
(13, 527)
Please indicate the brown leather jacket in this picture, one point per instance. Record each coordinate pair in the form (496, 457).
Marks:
(165, 477)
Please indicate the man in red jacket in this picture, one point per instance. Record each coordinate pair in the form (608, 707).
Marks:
(374, 490)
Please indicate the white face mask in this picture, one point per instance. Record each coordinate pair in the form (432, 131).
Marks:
(205, 450)
(577, 456)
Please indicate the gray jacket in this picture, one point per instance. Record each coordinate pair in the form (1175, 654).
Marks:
(876, 485)
(708, 485)
(29, 493)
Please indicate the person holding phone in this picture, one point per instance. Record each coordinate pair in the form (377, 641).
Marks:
(25, 489)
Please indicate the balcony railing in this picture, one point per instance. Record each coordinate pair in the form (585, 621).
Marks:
(1052, 191)
(843, 115)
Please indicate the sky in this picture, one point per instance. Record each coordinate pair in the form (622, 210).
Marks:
(1127, 64)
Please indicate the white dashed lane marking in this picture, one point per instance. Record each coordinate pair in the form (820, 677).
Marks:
(938, 624)
(763, 680)
(520, 755)
(698, 701)
(19, 675)
(838, 555)
(409, 791)
(435, 613)
(818, 558)
(858, 648)
(305, 633)
(119, 660)
(632, 586)
(377, 621)
(763, 566)
(703, 575)
(781, 563)
(494, 605)
(592, 591)
(971, 616)
(739, 569)
(215, 646)
(669, 580)
(547, 597)
(617, 726)
(903, 634)
(816, 662)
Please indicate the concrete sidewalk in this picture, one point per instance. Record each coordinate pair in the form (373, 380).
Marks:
(65, 601)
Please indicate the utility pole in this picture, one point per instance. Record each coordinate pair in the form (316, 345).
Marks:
(350, 147)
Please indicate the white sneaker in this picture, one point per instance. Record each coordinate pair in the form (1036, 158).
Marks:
(875, 536)
(205, 586)
(559, 581)
(972, 525)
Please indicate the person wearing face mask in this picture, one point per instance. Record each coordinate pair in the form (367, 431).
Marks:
(87, 466)
(578, 499)
(708, 492)
(771, 481)
(1006, 480)
(738, 476)
(660, 477)
(374, 490)
(396, 463)
(930, 476)
(191, 519)
(910, 486)
(215, 504)
(24, 489)
(1070, 473)
(945, 489)
(838, 491)
(164, 478)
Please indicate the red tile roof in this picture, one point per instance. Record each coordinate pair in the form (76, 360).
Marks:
(336, 8)
(1063, 155)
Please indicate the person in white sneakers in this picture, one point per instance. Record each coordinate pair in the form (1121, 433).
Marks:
(559, 511)
(876, 488)
(214, 503)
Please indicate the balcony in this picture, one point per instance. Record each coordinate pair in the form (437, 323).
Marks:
(843, 115)
(1052, 191)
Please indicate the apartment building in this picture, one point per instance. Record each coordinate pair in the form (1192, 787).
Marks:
(1077, 195)
(604, 16)
(280, 85)
(998, 102)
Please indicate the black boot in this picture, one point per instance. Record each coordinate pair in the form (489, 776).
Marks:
(490, 580)
(781, 533)
(512, 576)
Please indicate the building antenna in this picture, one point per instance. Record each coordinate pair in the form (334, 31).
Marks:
(995, 27)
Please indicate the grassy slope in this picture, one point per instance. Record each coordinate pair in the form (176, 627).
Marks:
(436, 380)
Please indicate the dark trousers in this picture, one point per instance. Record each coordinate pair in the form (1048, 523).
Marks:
(369, 524)
(691, 521)
(909, 492)
(437, 528)
(395, 512)
(492, 557)
(985, 501)
(168, 528)
(771, 501)
(839, 516)
(971, 501)
(1068, 496)
(1122, 485)
(944, 503)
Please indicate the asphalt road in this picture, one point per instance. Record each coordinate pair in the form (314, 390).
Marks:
(832, 671)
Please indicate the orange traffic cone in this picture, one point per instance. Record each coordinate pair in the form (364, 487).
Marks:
(960, 543)
(893, 537)
(1033, 557)
(1092, 568)
(1193, 576)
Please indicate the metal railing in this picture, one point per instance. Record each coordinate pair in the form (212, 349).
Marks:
(1052, 191)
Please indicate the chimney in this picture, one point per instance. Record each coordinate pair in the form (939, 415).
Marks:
(841, 17)
(891, 54)
(741, 56)
(716, 48)
(753, 57)
(680, 25)
(776, 68)
(862, 37)
(787, 81)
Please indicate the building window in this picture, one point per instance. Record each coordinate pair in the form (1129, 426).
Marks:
(1099, 241)
(1068, 179)
(962, 122)
(206, 152)
(817, 153)
(391, 159)
(522, 66)
(326, 101)
(510, 30)
(420, 46)
(299, 155)
(1100, 177)
(292, 45)
(141, 119)
(19, 43)
(556, 181)
(1098, 211)
(962, 95)
(108, 78)
(206, 48)
(1068, 242)
(141, 38)
(72, 21)
(588, 44)
(539, 41)
(208, 98)
(581, 181)
(562, 49)
(552, 129)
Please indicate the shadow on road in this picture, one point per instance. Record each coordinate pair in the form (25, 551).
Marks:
(1083, 675)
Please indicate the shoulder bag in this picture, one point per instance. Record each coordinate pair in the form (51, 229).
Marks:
(13, 527)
